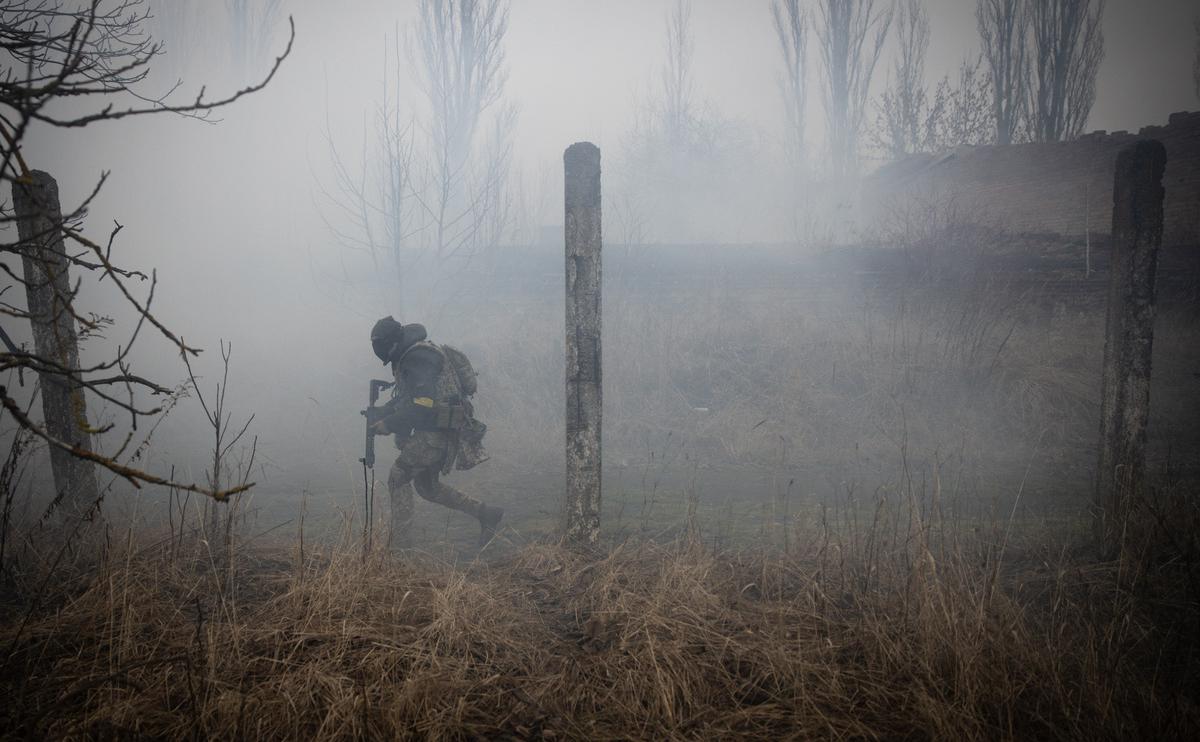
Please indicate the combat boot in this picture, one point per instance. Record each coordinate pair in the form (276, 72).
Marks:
(489, 518)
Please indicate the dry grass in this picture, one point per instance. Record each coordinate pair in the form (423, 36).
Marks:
(898, 630)
(811, 379)
(892, 619)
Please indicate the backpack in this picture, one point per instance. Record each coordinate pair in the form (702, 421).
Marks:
(467, 378)
(470, 436)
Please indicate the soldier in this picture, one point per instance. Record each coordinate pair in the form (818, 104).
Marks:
(428, 415)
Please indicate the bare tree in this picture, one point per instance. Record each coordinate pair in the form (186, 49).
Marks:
(1067, 45)
(369, 201)
(964, 109)
(904, 125)
(791, 29)
(221, 474)
(95, 55)
(670, 123)
(850, 34)
(959, 112)
(1002, 29)
(678, 110)
(679, 145)
(252, 24)
(491, 207)
(460, 62)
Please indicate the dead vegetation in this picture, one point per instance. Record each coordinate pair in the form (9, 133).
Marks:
(903, 627)
(897, 612)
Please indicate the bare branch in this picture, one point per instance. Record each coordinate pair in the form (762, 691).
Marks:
(135, 477)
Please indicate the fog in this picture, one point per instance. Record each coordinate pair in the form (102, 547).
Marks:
(899, 364)
(236, 218)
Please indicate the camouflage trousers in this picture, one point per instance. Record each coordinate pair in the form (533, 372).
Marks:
(420, 464)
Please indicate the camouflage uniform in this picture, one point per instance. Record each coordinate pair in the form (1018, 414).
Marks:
(426, 391)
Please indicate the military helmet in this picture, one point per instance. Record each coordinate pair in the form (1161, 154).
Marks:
(384, 336)
(389, 337)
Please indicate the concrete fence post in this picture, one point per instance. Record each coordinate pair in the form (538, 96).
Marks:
(48, 297)
(581, 163)
(1137, 231)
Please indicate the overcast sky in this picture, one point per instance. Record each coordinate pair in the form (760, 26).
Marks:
(577, 71)
(579, 67)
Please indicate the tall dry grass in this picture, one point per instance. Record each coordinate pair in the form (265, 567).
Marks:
(904, 626)
(813, 378)
(900, 615)
(962, 344)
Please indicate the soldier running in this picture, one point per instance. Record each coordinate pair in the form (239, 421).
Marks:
(432, 422)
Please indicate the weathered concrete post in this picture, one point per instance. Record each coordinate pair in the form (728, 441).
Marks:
(581, 162)
(1137, 230)
(48, 294)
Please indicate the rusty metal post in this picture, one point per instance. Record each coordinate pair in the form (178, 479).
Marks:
(1137, 230)
(581, 162)
(48, 295)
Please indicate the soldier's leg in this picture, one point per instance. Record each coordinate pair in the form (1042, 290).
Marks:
(400, 492)
(430, 488)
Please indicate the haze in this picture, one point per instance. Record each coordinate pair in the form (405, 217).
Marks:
(233, 217)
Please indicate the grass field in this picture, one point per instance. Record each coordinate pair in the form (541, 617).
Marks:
(879, 621)
(848, 505)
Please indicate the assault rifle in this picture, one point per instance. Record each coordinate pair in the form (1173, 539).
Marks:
(374, 414)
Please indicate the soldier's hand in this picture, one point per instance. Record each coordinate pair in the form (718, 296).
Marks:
(380, 428)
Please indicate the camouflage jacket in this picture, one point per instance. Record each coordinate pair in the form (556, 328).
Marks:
(425, 394)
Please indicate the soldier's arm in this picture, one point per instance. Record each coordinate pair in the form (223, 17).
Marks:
(419, 371)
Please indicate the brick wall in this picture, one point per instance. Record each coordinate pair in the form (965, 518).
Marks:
(1062, 187)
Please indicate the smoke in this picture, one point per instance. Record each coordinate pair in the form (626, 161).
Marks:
(231, 216)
